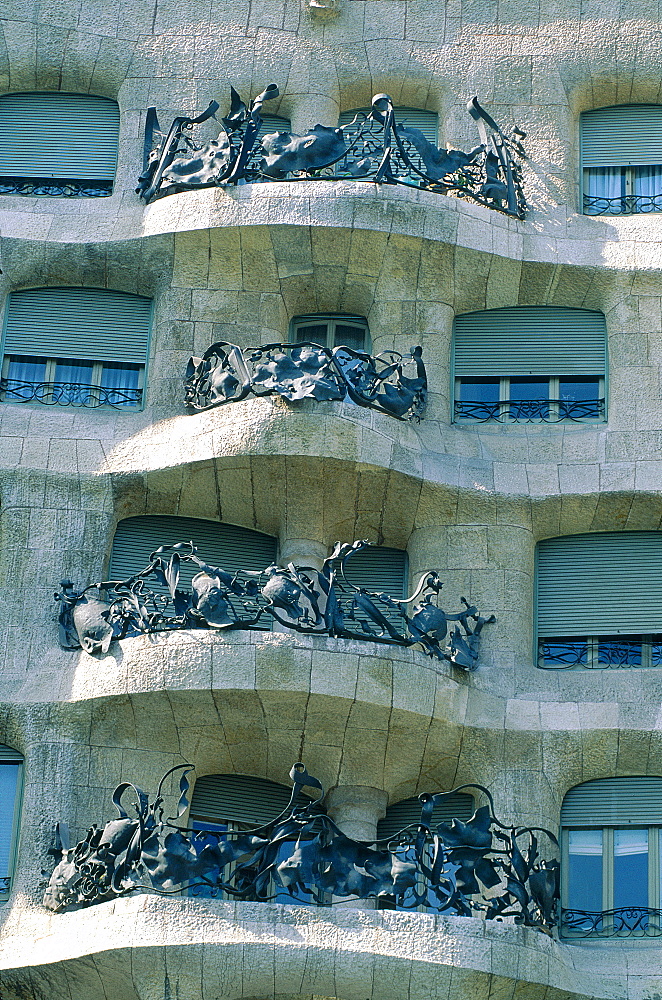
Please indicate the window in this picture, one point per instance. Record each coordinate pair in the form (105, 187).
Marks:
(58, 144)
(75, 347)
(379, 570)
(230, 803)
(225, 545)
(460, 806)
(599, 600)
(529, 363)
(332, 331)
(426, 122)
(621, 160)
(10, 805)
(612, 852)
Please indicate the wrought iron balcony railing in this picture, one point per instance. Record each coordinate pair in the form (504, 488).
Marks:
(481, 867)
(373, 147)
(626, 921)
(599, 652)
(50, 187)
(390, 382)
(307, 600)
(68, 394)
(629, 204)
(548, 411)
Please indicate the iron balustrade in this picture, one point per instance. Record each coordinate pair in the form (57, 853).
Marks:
(627, 204)
(625, 921)
(49, 187)
(68, 394)
(548, 411)
(599, 653)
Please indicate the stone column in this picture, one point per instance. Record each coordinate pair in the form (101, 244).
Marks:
(302, 552)
(357, 809)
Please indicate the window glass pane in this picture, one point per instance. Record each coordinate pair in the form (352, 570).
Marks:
(563, 651)
(648, 186)
(349, 336)
(619, 651)
(524, 391)
(125, 378)
(656, 651)
(585, 870)
(315, 333)
(8, 784)
(605, 189)
(20, 371)
(479, 390)
(585, 391)
(630, 868)
(70, 376)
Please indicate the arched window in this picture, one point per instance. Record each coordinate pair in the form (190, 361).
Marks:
(599, 600)
(225, 545)
(229, 803)
(58, 144)
(611, 843)
(407, 812)
(529, 363)
(11, 764)
(621, 159)
(332, 331)
(75, 347)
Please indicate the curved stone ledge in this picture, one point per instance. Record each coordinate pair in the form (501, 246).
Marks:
(584, 241)
(110, 950)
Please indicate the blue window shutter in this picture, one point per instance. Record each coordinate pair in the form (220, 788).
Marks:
(10, 789)
(600, 584)
(408, 811)
(237, 798)
(273, 123)
(530, 340)
(66, 136)
(426, 122)
(86, 323)
(224, 545)
(614, 802)
(627, 135)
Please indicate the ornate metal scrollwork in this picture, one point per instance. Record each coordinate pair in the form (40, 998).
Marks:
(478, 867)
(316, 602)
(68, 394)
(626, 921)
(227, 373)
(372, 147)
(548, 411)
(627, 204)
(49, 187)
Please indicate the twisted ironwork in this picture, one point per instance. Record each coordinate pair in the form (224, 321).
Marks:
(599, 653)
(227, 373)
(48, 187)
(373, 147)
(68, 394)
(549, 411)
(627, 204)
(478, 867)
(316, 602)
(625, 921)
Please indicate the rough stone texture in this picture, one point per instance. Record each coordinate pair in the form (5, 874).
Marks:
(471, 502)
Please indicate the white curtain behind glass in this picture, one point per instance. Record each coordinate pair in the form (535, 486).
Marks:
(648, 183)
(605, 182)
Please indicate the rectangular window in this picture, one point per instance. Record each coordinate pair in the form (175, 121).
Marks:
(71, 383)
(529, 399)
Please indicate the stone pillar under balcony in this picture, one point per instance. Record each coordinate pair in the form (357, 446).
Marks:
(302, 552)
(357, 809)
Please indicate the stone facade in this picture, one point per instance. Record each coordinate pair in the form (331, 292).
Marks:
(472, 501)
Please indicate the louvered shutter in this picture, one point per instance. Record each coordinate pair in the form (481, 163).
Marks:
(224, 545)
(629, 135)
(10, 763)
(614, 802)
(379, 569)
(273, 123)
(401, 814)
(530, 340)
(235, 797)
(90, 324)
(426, 122)
(600, 584)
(66, 136)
